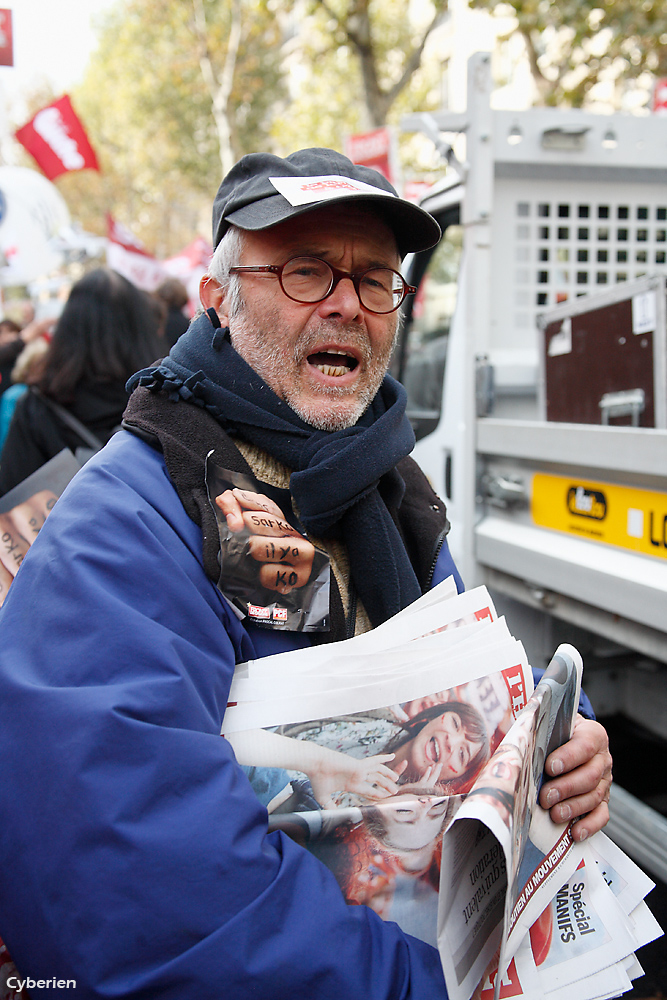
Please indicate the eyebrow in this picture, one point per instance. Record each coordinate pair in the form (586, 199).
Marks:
(324, 254)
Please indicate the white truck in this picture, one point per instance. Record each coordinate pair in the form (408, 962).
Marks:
(535, 359)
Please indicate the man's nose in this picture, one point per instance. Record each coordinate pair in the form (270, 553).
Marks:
(343, 302)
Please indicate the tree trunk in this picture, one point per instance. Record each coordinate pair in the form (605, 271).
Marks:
(356, 26)
(220, 85)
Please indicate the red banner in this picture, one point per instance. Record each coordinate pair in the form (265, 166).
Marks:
(374, 149)
(127, 255)
(57, 140)
(6, 43)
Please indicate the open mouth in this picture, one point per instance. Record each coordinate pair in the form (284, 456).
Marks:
(332, 363)
(433, 750)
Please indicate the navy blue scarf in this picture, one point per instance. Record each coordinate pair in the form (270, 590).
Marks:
(344, 482)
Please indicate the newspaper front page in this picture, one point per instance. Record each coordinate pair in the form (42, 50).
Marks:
(409, 761)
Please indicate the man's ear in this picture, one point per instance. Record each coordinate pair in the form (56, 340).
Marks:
(212, 295)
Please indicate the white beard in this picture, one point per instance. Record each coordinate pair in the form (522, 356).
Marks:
(278, 363)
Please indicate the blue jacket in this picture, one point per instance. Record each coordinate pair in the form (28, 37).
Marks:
(135, 857)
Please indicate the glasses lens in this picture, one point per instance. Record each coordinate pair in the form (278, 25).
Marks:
(381, 289)
(306, 279)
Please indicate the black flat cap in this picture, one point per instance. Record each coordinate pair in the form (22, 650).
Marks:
(262, 190)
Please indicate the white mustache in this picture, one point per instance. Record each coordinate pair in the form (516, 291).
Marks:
(351, 339)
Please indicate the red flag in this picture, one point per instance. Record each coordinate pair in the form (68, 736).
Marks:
(660, 97)
(57, 140)
(6, 45)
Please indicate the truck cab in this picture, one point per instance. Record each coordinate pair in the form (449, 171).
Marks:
(534, 354)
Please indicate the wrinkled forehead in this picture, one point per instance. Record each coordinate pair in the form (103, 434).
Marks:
(330, 231)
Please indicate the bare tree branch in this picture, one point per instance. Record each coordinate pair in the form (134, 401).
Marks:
(356, 27)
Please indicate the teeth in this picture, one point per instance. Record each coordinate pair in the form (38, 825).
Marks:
(336, 370)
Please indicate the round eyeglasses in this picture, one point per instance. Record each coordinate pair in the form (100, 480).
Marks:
(309, 280)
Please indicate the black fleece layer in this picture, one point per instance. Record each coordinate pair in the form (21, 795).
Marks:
(186, 434)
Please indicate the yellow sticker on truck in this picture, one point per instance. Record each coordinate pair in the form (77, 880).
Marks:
(603, 512)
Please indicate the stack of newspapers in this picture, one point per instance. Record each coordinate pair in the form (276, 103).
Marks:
(409, 760)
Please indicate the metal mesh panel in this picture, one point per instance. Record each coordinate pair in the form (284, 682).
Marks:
(554, 241)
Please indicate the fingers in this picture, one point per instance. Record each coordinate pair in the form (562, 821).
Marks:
(383, 782)
(399, 714)
(13, 545)
(295, 551)
(431, 775)
(591, 822)
(287, 556)
(231, 508)
(283, 579)
(588, 739)
(268, 524)
(27, 518)
(287, 562)
(584, 766)
(18, 529)
(233, 504)
(5, 582)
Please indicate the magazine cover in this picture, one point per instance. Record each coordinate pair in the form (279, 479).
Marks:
(269, 570)
(370, 793)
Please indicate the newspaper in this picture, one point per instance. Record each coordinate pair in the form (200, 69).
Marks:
(24, 509)
(409, 760)
(582, 946)
(504, 853)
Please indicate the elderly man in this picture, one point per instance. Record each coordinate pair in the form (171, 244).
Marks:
(136, 858)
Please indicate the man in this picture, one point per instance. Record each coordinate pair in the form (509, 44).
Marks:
(135, 854)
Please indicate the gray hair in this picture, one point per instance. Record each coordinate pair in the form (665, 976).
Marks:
(227, 254)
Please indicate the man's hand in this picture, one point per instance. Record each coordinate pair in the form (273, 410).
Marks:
(285, 555)
(581, 770)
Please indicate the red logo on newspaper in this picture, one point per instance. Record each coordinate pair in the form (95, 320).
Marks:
(483, 613)
(325, 185)
(280, 614)
(509, 985)
(255, 611)
(516, 685)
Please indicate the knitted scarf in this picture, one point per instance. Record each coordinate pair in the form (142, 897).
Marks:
(343, 482)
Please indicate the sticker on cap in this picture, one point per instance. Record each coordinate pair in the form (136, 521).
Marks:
(307, 190)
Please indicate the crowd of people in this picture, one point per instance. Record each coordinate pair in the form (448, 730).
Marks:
(63, 381)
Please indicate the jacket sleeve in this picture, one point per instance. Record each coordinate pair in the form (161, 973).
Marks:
(135, 856)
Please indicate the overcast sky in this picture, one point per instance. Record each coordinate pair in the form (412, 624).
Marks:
(52, 39)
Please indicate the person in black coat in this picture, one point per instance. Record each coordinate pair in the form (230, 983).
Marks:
(107, 330)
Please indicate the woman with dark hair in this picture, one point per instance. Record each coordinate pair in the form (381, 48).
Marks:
(106, 332)
(442, 749)
(443, 745)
